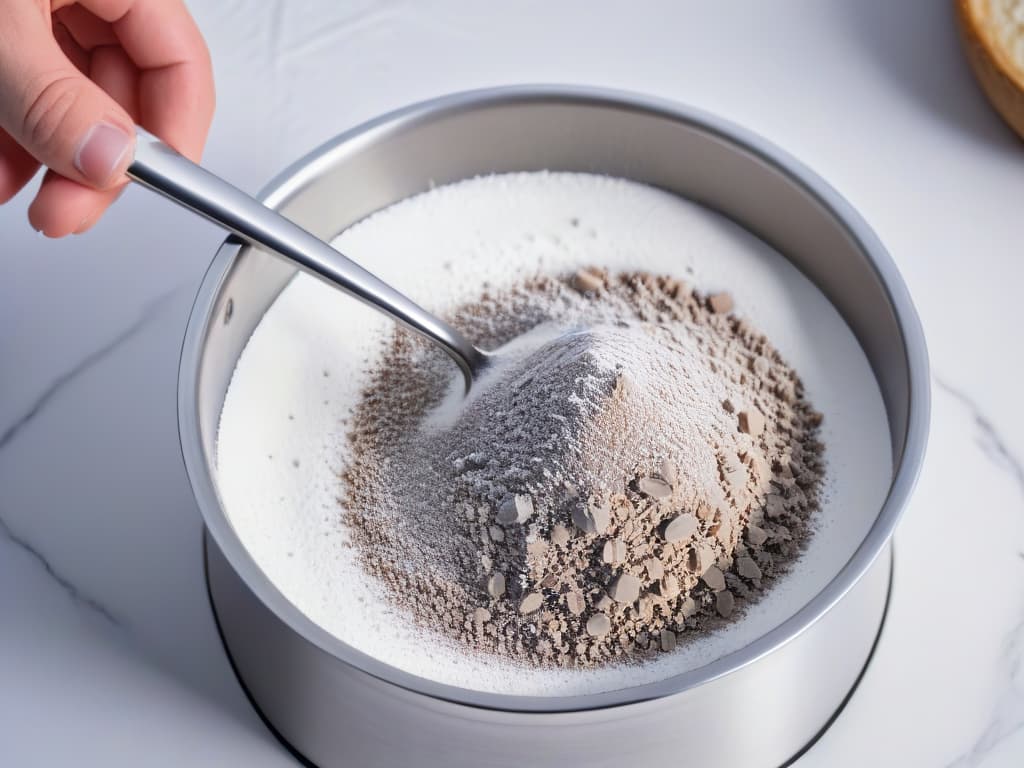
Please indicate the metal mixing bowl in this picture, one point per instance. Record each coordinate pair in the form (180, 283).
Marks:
(758, 706)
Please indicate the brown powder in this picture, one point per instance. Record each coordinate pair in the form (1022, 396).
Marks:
(610, 491)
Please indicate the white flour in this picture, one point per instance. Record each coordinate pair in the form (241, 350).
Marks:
(281, 443)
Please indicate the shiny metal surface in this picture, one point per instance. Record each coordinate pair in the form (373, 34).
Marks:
(341, 707)
(338, 716)
(161, 169)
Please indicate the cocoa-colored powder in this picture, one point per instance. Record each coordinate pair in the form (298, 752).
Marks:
(639, 477)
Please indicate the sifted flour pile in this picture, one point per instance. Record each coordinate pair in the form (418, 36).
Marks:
(639, 467)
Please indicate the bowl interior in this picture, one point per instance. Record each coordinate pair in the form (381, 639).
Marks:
(681, 151)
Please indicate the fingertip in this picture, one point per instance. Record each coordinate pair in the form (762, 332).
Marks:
(61, 206)
(92, 219)
(42, 219)
(86, 225)
(39, 215)
(89, 220)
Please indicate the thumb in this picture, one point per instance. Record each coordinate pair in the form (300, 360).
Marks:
(59, 116)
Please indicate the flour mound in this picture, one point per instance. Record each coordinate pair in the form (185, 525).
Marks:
(638, 465)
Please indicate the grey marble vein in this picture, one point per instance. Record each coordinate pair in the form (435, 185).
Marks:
(989, 438)
(1008, 717)
(1008, 714)
(79, 597)
(146, 316)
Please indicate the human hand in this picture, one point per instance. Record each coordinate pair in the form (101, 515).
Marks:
(74, 78)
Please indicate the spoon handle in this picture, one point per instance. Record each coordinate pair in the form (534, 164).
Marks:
(163, 170)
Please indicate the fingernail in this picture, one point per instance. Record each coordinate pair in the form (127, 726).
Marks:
(102, 152)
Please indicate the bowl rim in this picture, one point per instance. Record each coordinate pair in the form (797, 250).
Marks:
(291, 180)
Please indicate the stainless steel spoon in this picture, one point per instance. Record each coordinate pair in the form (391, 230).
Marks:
(177, 178)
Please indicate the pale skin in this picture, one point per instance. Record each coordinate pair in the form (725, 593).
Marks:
(74, 79)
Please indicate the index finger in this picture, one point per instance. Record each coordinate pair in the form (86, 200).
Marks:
(176, 93)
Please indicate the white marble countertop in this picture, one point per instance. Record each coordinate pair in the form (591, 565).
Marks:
(108, 652)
